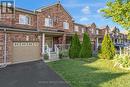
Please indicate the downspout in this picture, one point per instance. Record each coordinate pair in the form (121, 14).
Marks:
(5, 50)
(42, 37)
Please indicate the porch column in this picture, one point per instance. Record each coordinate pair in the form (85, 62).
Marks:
(64, 39)
(43, 43)
(97, 43)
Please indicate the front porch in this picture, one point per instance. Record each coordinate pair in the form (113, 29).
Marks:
(54, 44)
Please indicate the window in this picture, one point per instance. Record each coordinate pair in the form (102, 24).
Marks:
(23, 19)
(97, 32)
(48, 22)
(66, 25)
(92, 31)
(76, 28)
(82, 30)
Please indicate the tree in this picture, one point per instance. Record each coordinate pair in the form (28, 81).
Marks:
(86, 47)
(119, 12)
(74, 47)
(107, 48)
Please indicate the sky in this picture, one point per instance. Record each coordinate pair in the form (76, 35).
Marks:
(83, 11)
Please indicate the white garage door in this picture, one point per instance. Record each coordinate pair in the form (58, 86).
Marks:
(26, 51)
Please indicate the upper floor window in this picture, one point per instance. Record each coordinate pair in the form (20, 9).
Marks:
(66, 25)
(23, 19)
(48, 22)
(92, 31)
(83, 30)
(76, 28)
(97, 32)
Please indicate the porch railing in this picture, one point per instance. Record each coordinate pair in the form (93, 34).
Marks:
(61, 48)
(57, 49)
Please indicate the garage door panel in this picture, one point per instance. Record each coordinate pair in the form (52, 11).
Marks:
(26, 51)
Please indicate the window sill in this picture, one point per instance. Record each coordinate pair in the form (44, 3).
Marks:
(48, 26)
(24, 24)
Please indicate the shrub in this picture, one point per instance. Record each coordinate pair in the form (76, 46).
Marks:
(86, 47)
(74, 47)
(46, 57)
(122, 61)
(107, 48)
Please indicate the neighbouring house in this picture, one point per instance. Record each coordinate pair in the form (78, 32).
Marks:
(28, 35)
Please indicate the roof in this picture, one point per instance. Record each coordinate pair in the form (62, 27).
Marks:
(102, 27)
(25, 10)
(89, 25)
(80, 24)
(46, 7)
(124, 32)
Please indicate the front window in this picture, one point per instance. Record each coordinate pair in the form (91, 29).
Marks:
(66, 25)
(76, 28)
(48, 22)
(23, 19)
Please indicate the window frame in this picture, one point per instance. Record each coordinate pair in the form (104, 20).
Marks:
(76, 28)
(26, 19)
(48, 22)
(66, 25)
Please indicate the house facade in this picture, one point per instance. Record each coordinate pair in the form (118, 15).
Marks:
(30, 34)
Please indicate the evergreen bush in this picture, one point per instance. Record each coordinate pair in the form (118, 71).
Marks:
(86, 47)
(107, 48)
(74, 47)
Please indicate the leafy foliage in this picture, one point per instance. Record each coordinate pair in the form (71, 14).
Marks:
(119, 12)
(107, 48)
(122, 60)
(74, 47)
(86, 47)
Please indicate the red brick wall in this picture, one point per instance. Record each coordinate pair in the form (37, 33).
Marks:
(80, 30)
(55, 11)
(1, 46)
(14, 22)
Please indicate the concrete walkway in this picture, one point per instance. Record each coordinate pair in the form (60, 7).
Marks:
(32, 74)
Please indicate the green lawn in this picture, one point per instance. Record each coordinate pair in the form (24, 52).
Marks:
(91, 73)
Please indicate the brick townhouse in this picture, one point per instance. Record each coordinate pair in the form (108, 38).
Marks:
(96, 35)
(28, 34)
(24, 37)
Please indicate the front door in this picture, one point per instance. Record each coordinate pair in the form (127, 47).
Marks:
(49, 42)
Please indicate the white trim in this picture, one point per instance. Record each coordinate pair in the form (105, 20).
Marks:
(43, 43)
(8, 63)
(24, 20)
(97, 43)
(66, 25)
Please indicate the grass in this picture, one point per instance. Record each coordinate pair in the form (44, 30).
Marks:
(91, 73)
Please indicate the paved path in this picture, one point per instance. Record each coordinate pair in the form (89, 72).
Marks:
(32, 74)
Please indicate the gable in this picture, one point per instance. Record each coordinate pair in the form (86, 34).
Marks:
(53, 6)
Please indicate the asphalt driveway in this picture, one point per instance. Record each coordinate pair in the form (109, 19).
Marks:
(32, 74)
